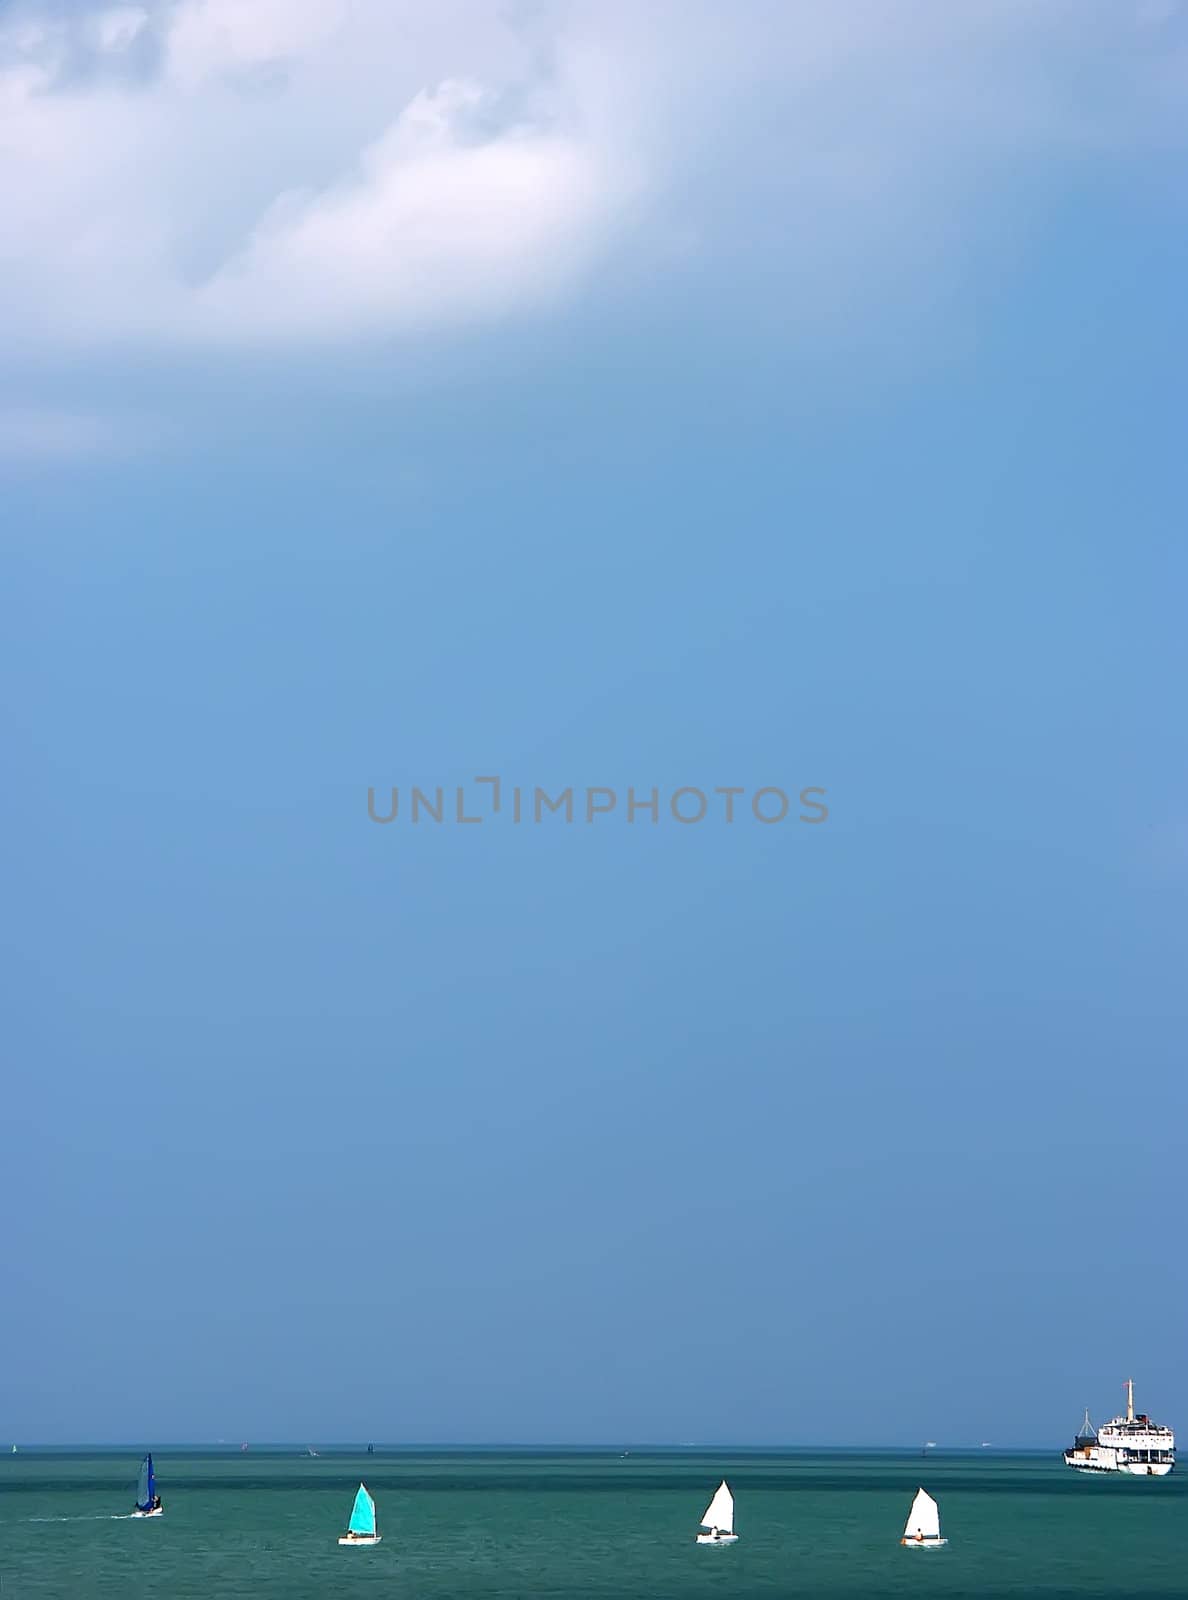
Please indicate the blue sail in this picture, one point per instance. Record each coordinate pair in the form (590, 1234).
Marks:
(363, 1513)
(146, 1485)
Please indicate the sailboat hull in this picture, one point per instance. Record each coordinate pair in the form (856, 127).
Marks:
(922, 1544)
(159, 1511)
(717, 1538)
(364, 1539)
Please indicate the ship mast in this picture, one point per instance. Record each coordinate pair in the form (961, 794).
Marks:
(1130, 1399)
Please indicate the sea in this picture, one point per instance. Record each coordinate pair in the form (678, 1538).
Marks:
(542, 1525)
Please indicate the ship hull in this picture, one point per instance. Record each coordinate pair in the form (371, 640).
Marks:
(1130, 1469)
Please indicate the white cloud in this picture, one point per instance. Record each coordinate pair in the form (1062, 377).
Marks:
(120, 27)
(245, 171)
(428, 223)
(213, 37)
(290, 169)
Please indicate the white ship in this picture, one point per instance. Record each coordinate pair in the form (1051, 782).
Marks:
(1132, 1444)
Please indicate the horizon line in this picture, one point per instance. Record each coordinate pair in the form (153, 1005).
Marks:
(601, 1446)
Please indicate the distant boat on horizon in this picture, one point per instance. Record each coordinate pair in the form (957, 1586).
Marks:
(148, 1501)
(922, 1529)
(361, 1528)
(718, 1521)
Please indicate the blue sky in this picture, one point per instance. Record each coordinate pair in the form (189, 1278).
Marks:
(773, 397)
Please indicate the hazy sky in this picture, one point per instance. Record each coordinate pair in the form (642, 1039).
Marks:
(592, 395)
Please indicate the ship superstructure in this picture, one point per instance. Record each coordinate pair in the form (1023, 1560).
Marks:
(1131, 1443)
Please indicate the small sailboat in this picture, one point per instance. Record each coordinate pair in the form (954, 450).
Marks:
(361, 1529)
(922, 1531)
(718, 1522)
(148, 1501)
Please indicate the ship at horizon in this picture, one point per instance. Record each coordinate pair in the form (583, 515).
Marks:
(1132, 1444)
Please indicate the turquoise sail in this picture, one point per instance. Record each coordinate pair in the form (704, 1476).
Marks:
(363, 1512)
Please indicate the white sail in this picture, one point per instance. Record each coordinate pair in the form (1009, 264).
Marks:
(923, 1518)
(720, 1511)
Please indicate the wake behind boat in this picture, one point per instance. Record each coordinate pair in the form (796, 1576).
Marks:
(148, 1501)
(361, 1529)
(922, 1530)
(718, 1522)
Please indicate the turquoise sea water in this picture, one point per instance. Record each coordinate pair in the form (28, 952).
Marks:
(529, 1525)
